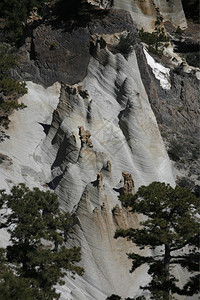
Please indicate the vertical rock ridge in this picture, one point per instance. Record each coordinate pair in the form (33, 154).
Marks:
(128, 183)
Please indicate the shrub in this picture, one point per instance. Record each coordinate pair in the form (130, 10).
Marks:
(185, 182)
(176, 150)
(9, 86)
(53, 46)
(7, 106)
(126, 43)
(164, 134)
(138, 298)
(156, 41)
(8, 60)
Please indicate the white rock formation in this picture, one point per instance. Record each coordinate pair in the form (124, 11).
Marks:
(103, 125)
(25, 136)
(145, 12)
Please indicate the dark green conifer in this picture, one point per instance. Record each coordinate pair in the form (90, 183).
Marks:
(172, 224)
(38, 232)
(15, 13)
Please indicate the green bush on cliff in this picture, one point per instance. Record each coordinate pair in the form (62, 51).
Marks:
(176, 150)
(126, 44)
(7, 106)
(156, 41)
(9, 86)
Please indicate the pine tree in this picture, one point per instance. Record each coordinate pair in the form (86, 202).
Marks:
(15, 13)
(38, 232)
(172, 223)
(13, 287)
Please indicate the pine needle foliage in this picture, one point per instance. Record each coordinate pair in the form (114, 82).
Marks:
(37, 255)
(8, 60)
(126, 44)
(157, 40)
(16, 13)
(13, 287)
(172, 224)
(10, 88)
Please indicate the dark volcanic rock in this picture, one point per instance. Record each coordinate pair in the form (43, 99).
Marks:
(56, 54)
(53, 55)
(177, 112)
(191, 9)
(178, 108)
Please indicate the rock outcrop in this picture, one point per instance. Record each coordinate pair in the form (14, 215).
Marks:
(128, 187)
(89, 136)
(54, 52)
(85, 137)
(116, 115)
(177, 111)
(111, 105)
(145, 12)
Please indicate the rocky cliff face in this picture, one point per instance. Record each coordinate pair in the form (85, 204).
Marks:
(94, 133)
(54, 52)
(145, 12)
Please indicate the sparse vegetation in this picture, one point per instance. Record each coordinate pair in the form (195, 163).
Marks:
(126, 44)
(9, 86)
(176, 150)
(156, 41)
(7, 106)
(53, 45)
(8, 60)
(180, 109)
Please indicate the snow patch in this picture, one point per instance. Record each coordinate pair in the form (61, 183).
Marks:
(161, 73)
